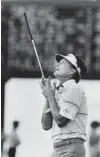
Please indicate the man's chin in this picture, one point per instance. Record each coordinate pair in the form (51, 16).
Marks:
(55, 74)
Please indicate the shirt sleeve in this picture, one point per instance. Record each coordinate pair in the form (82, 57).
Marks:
(47, 110)
(71, 102)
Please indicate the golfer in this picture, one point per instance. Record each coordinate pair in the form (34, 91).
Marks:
(65, 109)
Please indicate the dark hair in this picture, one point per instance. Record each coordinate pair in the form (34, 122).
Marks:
(76, 76)
(95, 124)
(15, 124)
(82, 66)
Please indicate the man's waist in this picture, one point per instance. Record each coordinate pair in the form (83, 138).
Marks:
(68, 142)
(69, 135)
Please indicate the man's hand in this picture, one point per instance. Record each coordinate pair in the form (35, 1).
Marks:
(47, 89)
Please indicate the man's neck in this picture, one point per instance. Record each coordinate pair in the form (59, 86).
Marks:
(62, 80)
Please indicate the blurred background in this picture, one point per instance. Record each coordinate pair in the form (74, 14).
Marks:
(66, 26)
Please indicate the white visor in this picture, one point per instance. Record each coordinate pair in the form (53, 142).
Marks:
(71, 58)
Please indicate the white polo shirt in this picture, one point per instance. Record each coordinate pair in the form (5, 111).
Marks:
(72, 102)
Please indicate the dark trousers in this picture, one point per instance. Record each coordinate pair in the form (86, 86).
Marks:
(12, 152)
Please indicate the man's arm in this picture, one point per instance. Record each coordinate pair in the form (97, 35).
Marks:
(49, 92)
(46, 118)
(60, 120)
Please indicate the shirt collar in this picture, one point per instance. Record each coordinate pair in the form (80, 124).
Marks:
(66, 83)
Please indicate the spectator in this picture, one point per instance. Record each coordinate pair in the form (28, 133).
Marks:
(94, 139)
(12, 140)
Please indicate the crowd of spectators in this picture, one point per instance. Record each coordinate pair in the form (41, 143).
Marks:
(55, 30)
(52, 32)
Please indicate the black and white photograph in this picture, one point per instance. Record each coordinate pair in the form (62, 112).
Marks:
(50, 78)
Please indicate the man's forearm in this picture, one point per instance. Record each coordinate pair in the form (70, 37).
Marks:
(46, 118)
(54, 107)
(60, 120)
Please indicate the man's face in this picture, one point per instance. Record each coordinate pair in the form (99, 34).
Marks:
(63, 69)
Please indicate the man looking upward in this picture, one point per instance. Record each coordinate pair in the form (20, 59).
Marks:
(65, 109)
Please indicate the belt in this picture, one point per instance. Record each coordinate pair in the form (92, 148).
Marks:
(68, 142)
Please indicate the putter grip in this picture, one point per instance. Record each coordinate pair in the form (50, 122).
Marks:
(43, 81)
(28, 26)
